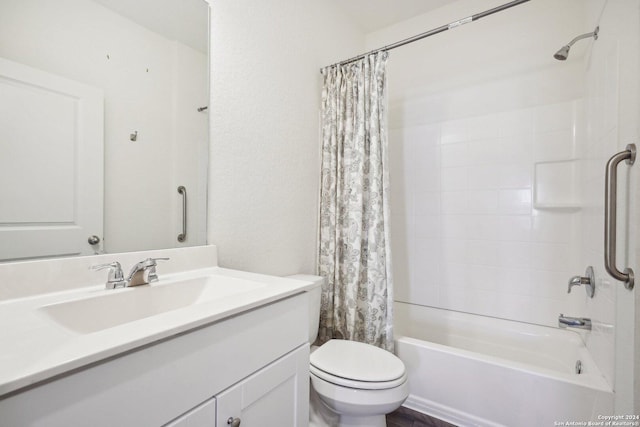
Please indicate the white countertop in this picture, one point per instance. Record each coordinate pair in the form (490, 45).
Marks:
(36, 348)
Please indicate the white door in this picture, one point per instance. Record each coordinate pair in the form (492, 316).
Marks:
(51, 164)
(277, 395)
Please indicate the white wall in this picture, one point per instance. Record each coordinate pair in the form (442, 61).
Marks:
(72, 38)
(482, 121)
(265, 100)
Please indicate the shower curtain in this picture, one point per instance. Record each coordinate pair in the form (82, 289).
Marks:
(354, 249)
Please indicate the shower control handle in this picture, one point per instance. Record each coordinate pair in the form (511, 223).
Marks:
(588, 280)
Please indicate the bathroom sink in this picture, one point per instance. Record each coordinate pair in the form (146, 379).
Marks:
(120, 306)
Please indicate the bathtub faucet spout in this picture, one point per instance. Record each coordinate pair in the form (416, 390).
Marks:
(574, 322)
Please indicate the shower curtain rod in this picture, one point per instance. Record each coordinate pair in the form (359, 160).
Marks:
(434, 31)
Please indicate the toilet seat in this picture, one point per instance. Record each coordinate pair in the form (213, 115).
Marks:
(361, 385)
(357, 365)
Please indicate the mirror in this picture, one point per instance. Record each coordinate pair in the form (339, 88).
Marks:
(102, 118)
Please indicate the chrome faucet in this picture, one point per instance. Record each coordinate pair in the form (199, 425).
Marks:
(588, 280)
(115, 278)
(144, 272)
(141, 273)
(574, 322)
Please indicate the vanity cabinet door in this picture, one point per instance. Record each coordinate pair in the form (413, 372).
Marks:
(203, 415)
(277, 395)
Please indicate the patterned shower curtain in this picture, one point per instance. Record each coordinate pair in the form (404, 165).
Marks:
(354, 253)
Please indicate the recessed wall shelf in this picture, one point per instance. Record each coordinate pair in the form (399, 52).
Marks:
(556, 185)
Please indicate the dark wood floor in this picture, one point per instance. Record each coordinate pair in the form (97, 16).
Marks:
(405, 417)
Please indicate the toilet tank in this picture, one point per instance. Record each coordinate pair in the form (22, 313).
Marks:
(314, 302)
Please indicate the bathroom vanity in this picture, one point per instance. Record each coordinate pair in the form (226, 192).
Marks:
(204, 346)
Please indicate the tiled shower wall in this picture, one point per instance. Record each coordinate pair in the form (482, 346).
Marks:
(485, 213)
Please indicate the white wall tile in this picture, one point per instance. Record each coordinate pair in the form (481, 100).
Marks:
(514, 227)
(554, 145)
(454, 202)
(514, 202)
(484, 151)
(454, 278)
(454, 178)
(424, 165)
(453, 251)
(482, 127)
(423, 135)
(425, 203)
(554, 117)
(401, 248)
(482, 252)
(485, 277)
(514, 281)
(552, 256)
(482, 201)
(484, 177)
(454, 155)
(516, 149)
(454, 227)
(515, 254)
(518, 175)
(453, 131)
(517, 122)
(552, 227)
(427, 227)
(482, 227)
(426, 261)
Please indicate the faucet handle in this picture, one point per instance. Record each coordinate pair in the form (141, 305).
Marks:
(144, 272)
(152, 275)
(151, 262)
(588, 280)
(577, 281)
(116, 276)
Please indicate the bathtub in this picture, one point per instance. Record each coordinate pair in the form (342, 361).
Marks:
(479, 371)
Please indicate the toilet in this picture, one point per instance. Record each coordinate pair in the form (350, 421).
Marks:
(358, 382)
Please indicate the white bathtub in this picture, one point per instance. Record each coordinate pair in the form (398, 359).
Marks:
(479, 371)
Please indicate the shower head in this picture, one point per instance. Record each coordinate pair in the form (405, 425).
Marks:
(563, 53)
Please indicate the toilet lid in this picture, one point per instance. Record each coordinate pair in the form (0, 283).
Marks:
(359, 385)
(357, 361)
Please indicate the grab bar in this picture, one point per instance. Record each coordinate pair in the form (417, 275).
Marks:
(183, 236)
(610, 226)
